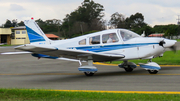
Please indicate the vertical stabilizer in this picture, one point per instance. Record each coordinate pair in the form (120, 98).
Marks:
(35, 34)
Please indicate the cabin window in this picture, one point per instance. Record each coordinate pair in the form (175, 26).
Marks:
(94, 40)
(110, 38)
(82, 42)
(17, 32)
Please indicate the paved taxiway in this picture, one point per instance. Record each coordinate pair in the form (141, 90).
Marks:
(25, 71)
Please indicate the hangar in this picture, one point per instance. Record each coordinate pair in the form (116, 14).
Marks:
(18, 36)
(5, 35)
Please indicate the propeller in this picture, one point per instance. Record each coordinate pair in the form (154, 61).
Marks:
(161, 43)
(173, 48)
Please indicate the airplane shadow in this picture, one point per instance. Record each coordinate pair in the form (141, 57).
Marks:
(81, 77)
(170, 68)
(77, 77)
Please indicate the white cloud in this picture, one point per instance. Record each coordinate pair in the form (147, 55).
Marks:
(25, 10)
(16, 7)
(154, 11)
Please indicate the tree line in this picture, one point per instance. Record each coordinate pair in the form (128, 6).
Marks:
(88, 18)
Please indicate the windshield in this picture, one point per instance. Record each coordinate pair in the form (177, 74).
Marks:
(127, 35)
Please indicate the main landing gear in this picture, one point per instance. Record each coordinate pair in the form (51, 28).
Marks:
(151, 67)
(89, 73)
(89, 69)
(128, 66)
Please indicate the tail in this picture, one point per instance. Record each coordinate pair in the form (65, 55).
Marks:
(35, 34)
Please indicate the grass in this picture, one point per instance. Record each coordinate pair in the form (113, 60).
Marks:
(44, 95)
(169, 58)
(5, 45)
(178, 40)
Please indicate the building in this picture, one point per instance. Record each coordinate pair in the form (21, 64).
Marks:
(52, 36)
(18, 36)
(156, 35)
(5, 35)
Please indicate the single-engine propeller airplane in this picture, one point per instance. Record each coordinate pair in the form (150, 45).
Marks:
(107, 45)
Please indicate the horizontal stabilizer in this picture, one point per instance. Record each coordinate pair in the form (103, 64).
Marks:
(10, 53)
(35, 48)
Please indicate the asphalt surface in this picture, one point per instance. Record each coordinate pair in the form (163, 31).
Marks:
(25, 71)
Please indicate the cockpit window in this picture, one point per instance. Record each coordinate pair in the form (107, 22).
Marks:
(127, 35)
(109, 38)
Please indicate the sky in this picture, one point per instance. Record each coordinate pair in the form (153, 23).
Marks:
(156, 12)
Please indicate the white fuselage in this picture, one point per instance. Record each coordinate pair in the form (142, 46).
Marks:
(134, 48)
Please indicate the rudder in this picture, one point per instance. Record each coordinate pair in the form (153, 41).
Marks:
(35, 34)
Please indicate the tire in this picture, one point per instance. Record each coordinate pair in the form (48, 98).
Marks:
(153, 71)
(88, 73)
(128, 69)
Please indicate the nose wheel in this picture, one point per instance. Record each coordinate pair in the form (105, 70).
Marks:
(153, 71)
(89, 73)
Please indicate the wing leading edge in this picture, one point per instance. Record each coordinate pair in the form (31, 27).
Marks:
(69, 53)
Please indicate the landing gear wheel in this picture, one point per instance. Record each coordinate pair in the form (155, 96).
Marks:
(89, 73)
(153, 71)
(128, 69)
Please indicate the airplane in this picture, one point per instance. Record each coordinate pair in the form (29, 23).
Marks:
(102, 46)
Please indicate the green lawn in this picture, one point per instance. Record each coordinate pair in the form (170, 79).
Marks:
(5, 45)
(178, 40)
(44, 95)
(169, 58)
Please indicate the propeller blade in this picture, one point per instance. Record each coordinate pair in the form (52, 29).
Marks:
(173, 48)
(161, 43)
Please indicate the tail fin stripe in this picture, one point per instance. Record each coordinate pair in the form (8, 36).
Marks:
(33, 36)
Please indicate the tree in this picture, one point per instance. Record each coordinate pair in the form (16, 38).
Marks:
(172, 30)
(117, 21)
(90, 11)
(50, 26)
(85, 18)
(40, 22)
(147, 29)
(160, 28)
(8, 24)
(135, 23)
(14, 23)
(21, 23)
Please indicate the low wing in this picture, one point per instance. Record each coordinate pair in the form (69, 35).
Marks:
(69, 53)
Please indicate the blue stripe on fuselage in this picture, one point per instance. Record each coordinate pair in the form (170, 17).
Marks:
(101, 48)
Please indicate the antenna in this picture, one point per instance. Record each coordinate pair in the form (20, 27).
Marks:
(178, 20)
